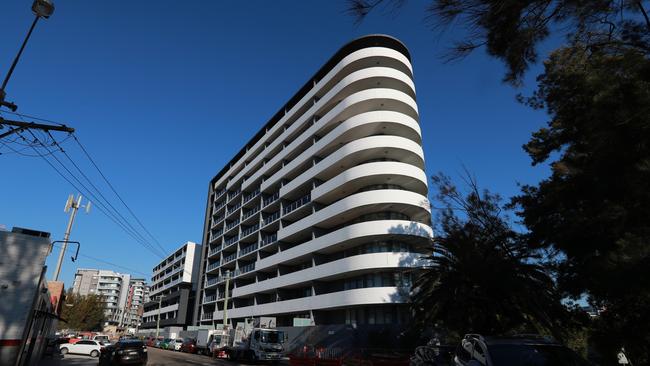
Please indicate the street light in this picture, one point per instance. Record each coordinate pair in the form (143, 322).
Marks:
(42, 9)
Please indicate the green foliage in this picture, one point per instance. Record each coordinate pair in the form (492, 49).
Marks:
(592, 212)
(83, 312)
(483, 278)
(594, 208)
(512, 30)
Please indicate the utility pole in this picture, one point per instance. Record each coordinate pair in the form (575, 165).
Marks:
(225, 301)
(158, 322)
(70, 204)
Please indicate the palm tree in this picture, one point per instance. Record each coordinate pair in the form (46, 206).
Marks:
(481, 276)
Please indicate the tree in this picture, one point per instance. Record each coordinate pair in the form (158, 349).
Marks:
(83, 312)
(594, 208)
(512, 30)
(482, 277)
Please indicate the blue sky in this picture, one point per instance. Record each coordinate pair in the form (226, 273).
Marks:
(163, 93)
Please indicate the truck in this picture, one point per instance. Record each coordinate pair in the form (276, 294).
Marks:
(255, 340)
(204, 338)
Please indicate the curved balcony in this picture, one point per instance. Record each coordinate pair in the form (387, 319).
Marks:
(407, 176)
(414, 204)
(349, 236)
(357, 264)
(385, 56)
(340, 299)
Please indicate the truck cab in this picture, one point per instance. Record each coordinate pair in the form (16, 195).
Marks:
(266, 344)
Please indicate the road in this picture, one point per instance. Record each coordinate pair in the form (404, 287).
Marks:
(157, 357)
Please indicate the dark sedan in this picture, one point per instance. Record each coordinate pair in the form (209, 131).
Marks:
(189, 346)
(124, 352)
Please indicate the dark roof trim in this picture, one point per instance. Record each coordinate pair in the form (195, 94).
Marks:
(373, 40)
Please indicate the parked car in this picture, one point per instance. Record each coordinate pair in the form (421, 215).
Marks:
(125, 351)
(157, 342)
(164, 344)
(149, 341)
(523, 350)
(175, 344)
(75, 339)
(82, 347)
(189, 346)
(102, 338)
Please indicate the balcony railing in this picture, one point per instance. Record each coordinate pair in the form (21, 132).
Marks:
(215, 250)
(297, 204)
(213, 266)
(212, 281)
(230, 241)
(215, 235)
(270, 218)
(230, 258)
(271, 199)
(251, 212)
(245, 269)
(250, 230)
(251, 195)
(232, 224)
(234, 208)
(218, 206)
(219, 193)
(210, 298)
(268, 240)
(207, 316)
(233, 194)
(248, 249)
(217, 220)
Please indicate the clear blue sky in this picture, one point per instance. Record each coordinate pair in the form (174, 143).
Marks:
(163, 93)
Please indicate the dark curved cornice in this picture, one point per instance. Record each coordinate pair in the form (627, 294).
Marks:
(372, 40)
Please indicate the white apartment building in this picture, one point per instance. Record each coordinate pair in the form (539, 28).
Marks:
(174, 282)
(321, 215)
(112, 286)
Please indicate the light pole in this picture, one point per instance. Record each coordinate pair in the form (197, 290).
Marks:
(225, 301)
(41, 9)
(158, 321)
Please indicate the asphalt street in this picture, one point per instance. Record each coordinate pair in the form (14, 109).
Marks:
(157, 357)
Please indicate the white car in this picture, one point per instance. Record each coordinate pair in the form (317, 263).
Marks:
(83, 347)
(175, 344)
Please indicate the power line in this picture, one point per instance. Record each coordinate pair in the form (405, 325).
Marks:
(32, 117)
(115, 191)
(108, 263)
(100, 193)
(89, 192)
(99, 206)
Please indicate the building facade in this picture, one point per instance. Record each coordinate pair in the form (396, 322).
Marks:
(138, 296)
(173, 285)
(112, 286)
(30, 304)
(321, 215)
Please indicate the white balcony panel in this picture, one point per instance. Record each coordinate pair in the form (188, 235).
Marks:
(355, 231)
(379, 172)
(340, 299)
(362, 262)
(366, 53)
(355, 201)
